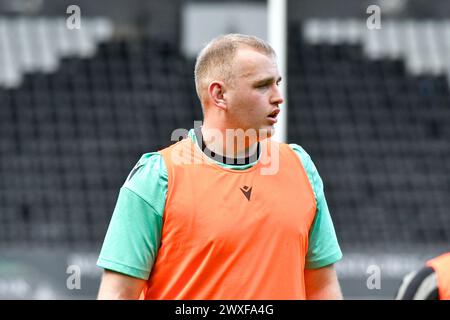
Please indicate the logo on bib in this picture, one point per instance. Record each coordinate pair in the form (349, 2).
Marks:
(247, 191)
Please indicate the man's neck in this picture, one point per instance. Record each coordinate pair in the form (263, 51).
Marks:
(228, 143)
(213, 142)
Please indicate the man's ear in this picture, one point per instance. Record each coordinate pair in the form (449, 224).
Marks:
(216, 91)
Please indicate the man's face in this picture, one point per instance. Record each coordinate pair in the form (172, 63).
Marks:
(252, 94)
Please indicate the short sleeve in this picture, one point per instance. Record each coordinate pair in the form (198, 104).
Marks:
(148, 179)
(134, 233)
(323, 246)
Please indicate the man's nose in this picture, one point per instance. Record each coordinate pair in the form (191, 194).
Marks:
(277, 97)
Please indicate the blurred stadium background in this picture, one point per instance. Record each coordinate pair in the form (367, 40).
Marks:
(79, 107)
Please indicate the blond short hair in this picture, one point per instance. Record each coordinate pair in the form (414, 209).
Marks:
(215, 59)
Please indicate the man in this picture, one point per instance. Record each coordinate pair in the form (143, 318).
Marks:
(225, 213)
(431, 282)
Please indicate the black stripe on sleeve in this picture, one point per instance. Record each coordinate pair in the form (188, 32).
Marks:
(134, 171)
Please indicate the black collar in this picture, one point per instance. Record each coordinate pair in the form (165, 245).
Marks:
(220, 158)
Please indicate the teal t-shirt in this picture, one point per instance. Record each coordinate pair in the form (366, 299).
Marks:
(134, 233)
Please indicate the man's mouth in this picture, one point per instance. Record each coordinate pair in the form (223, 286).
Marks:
(274, 114)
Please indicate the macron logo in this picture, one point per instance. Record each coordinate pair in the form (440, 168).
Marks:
(247, 191)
